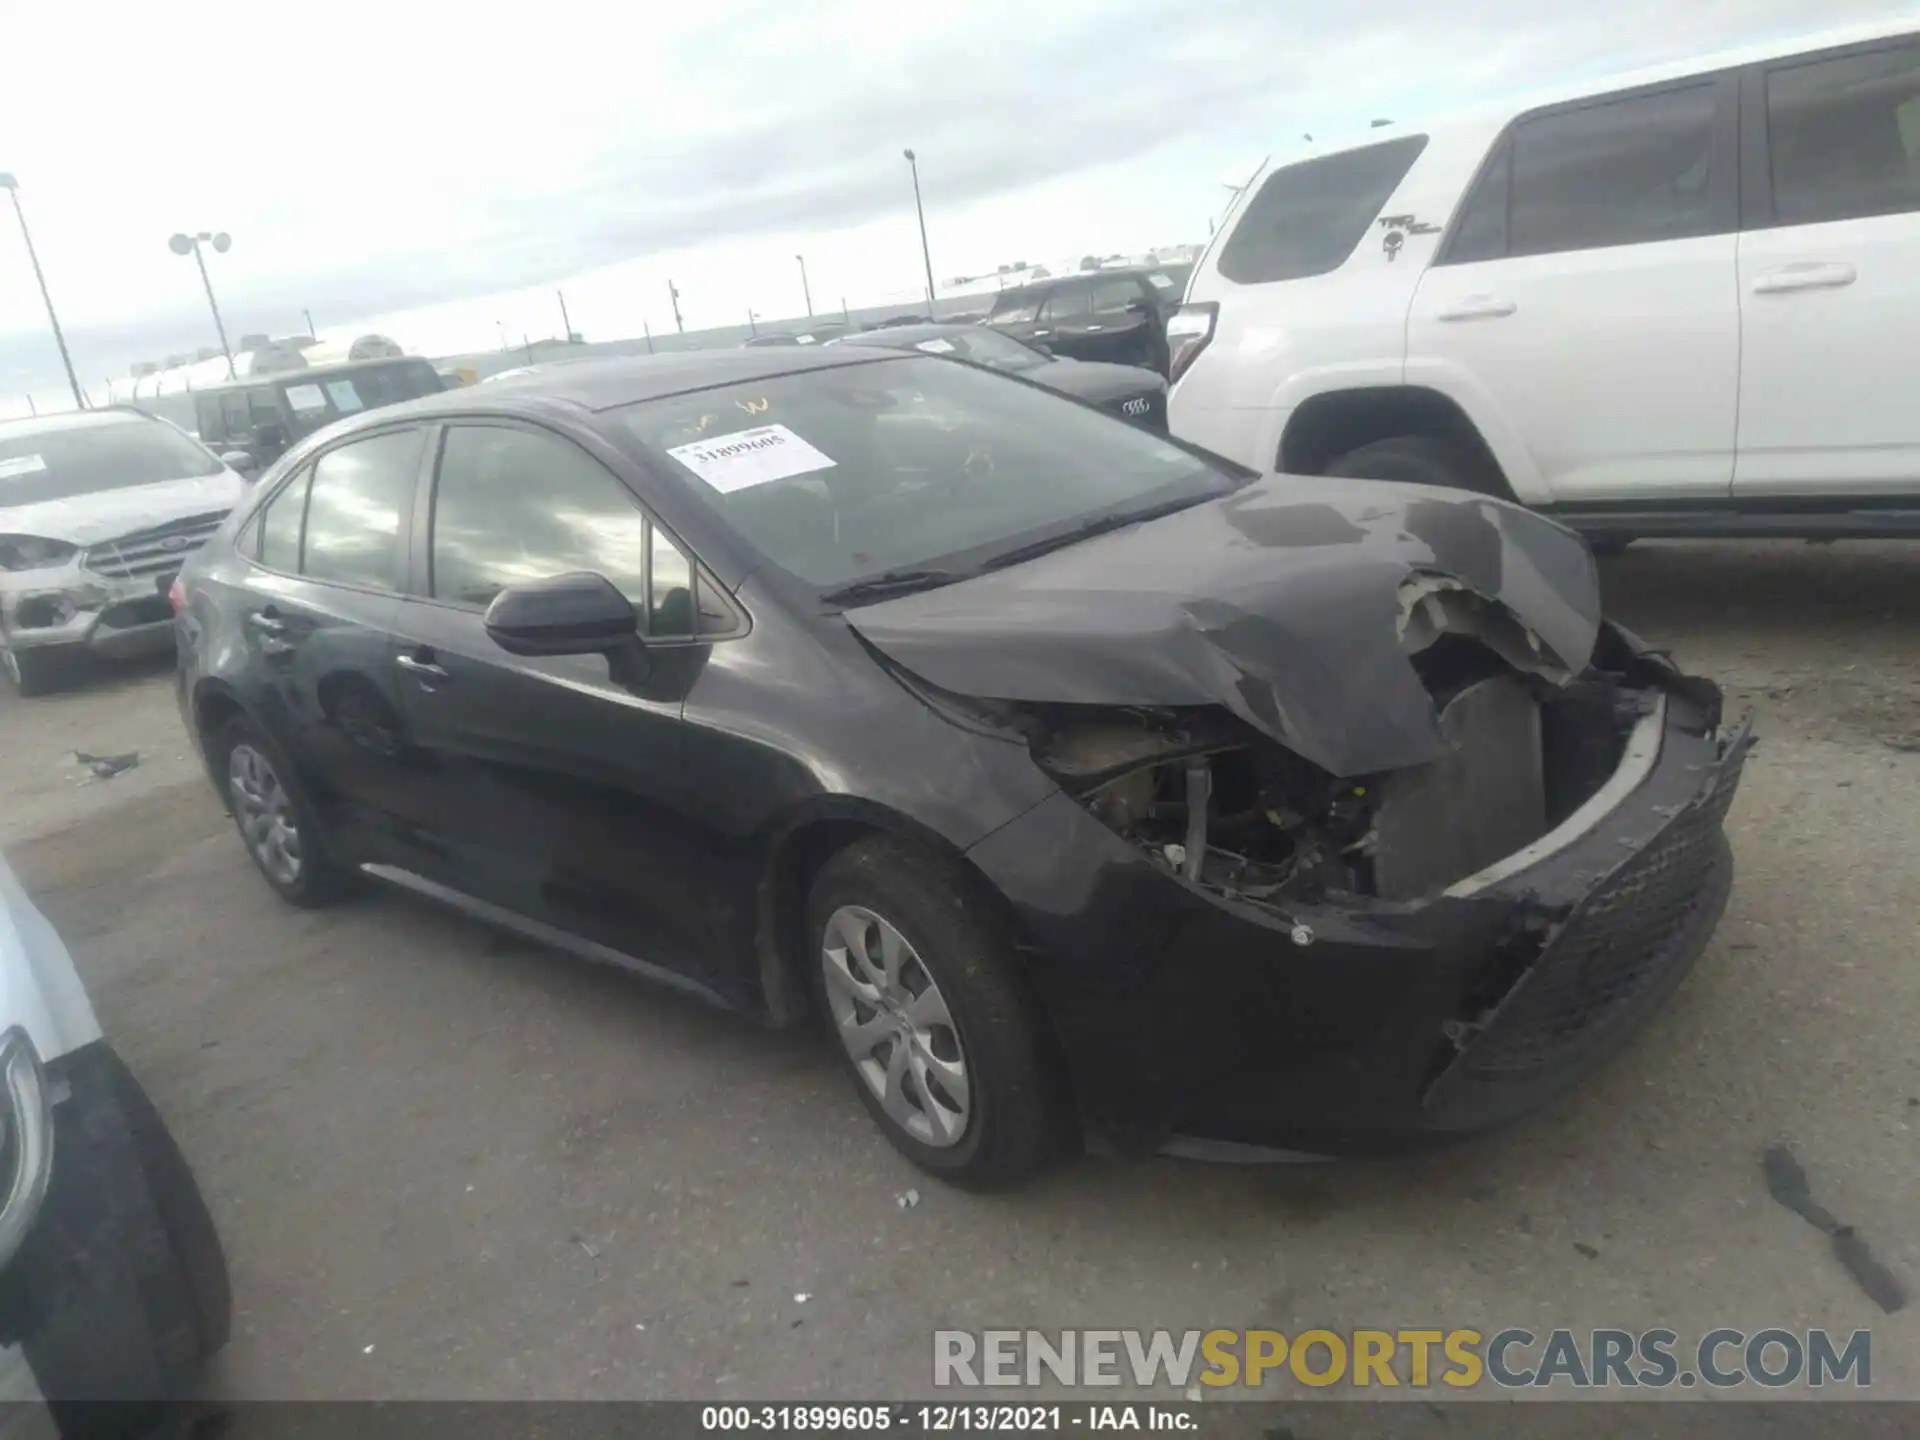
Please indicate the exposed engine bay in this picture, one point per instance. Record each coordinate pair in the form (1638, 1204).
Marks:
(1227, 807)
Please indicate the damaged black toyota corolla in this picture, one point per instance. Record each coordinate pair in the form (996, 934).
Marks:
(1080, 781)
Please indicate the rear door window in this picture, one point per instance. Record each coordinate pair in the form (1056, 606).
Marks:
(280, 525)
(1307, 218)
(357, 496)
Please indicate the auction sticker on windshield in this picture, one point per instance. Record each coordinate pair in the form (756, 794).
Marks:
(748, 458)
(306, 397)
(21, 465)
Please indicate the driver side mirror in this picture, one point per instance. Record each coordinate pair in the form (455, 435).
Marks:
(1042, 347)
(241, 462)
(575, 614)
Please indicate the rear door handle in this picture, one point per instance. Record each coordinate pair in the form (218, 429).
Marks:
(425, 669)
(271, 629)
(1811, 275)
(1479, 307)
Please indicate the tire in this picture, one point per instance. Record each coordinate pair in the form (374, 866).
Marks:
(1422, 460)
(123, 1281)
(315, 878)
(36, 671)
(1011, 1105)
(183, 1212)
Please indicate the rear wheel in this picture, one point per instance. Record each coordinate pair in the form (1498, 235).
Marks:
(917, 982)
(275, 821)
(36, 671)
(1422, 460)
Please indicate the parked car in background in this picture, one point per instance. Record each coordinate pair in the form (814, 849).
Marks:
(113, 1283)
(1073, 776)
(1127, 390)
(253, 423)
(1118, 316)
(97, 510)
(1674, 303)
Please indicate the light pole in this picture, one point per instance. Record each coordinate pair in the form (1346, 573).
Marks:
(312, 334)
(501, 325)
(752, 328)
(12, 187)
(673, 294)
(805, 289)
(918, 209)
(184, 244)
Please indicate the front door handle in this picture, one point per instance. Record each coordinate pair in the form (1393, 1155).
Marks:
(1479, 307)
(1811, 275)
(425, 669)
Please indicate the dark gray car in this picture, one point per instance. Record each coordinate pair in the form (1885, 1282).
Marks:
(1126, 390)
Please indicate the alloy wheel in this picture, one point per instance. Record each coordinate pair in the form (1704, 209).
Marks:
(896, 1027)
(265, 812)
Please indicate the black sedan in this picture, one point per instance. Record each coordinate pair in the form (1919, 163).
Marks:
(1128, 391)
(1078, 781)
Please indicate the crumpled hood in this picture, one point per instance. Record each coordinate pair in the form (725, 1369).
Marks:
(107, 514)
(1282, 602)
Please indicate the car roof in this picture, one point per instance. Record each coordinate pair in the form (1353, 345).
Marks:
(1521, 102)
(75, 420)
(311, 372)
(619, 380)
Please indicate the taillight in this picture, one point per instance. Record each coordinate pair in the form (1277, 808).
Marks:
(177, 595)
(1188, 330)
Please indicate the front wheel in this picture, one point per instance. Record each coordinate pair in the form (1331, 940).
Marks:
(36, 671)
(1438, 460)
(917, 982)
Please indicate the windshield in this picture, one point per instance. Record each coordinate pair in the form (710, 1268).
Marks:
(1015, 307)
(982, 346)
(58, 464)
(837, 475)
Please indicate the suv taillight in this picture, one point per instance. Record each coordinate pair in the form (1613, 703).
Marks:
(177, 595)
(1188, 330)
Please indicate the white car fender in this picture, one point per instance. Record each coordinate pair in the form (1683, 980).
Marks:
(40, 991)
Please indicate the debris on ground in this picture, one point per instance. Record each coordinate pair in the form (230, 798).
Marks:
(1586, 1249)
(105, 767)
(801, 1297)
(1787, 1184)
(907, 1199)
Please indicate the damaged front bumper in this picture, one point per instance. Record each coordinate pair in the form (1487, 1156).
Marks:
(115, 617)
(1196, 1021)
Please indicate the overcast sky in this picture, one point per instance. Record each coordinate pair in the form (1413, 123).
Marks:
(428, 170)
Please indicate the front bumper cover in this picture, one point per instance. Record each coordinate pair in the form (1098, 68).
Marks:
(1198, 1022)
(114, 617)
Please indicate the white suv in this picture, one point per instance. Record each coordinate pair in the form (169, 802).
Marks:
(1680, 303)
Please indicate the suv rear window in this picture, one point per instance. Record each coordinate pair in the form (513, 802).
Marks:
(58, 463)
(1306, 219)
(320, 397)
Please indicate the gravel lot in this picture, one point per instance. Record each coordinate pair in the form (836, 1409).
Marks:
(449, 1164)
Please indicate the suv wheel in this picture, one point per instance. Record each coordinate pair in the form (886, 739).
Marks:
(34, 671)
(275, 821)
(918, 985)
(1422, 460)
